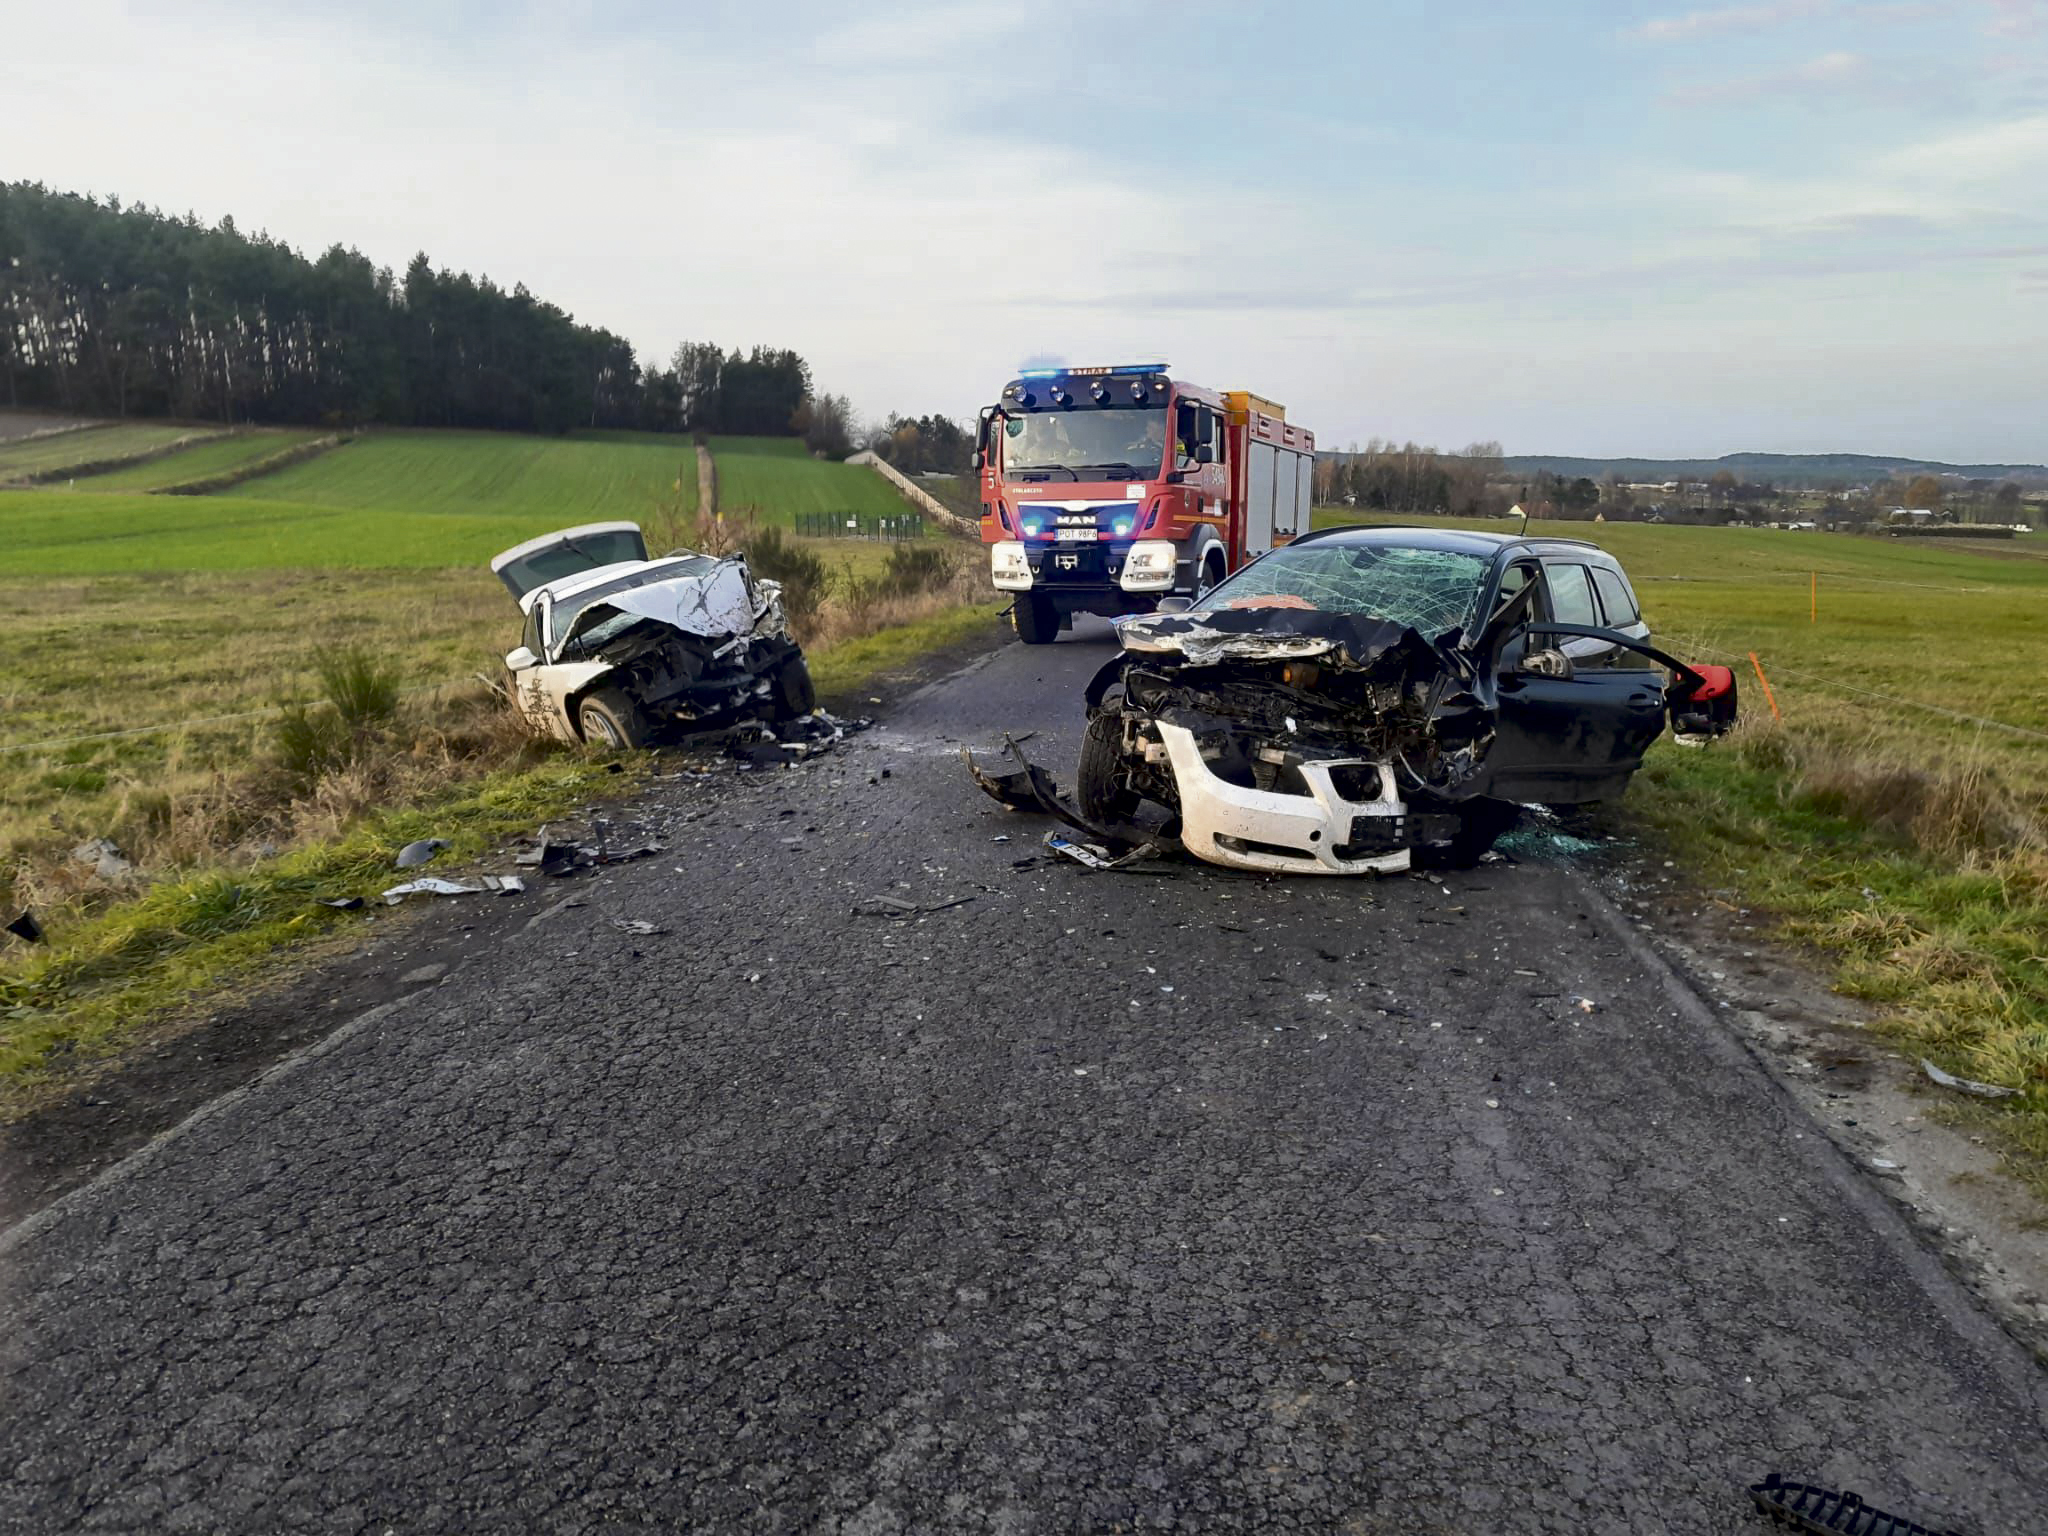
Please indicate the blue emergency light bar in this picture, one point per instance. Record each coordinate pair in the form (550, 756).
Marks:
(1090, 373)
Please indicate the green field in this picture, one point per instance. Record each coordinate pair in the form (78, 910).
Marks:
(1905, 628)
(80, 533)
(202, 460)
(778, 477)
(538, 482)
(90, 445)
(416, 500)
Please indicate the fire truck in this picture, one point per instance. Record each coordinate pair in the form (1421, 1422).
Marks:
(1104, 490)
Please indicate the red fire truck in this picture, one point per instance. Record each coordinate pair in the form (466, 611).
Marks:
(1106, 489)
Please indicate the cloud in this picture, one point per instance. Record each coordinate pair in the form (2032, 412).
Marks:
(2008, 151)
(1835, 71)
(1724, 19)
(2018, 18)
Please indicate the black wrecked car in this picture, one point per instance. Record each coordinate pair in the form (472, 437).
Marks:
(1362, 693)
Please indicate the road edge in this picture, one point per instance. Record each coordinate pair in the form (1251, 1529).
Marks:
(2005, 1342)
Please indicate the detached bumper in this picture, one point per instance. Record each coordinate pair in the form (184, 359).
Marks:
(1313, 834)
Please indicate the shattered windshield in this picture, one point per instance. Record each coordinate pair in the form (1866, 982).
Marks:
(1428, 590)
(1125, 441)
(563, 614)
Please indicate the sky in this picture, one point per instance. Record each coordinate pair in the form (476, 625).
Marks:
(1784, 226)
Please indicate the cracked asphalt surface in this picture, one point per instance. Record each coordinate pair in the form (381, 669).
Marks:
(1177, 1201)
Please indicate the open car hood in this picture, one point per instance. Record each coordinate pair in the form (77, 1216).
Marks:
(568, 552)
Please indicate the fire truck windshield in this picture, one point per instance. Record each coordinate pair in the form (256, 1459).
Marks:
(1086, 442)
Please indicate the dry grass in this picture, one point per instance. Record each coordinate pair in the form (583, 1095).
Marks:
(1952, 801)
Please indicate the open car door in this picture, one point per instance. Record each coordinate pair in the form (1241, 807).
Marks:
(1568, 734)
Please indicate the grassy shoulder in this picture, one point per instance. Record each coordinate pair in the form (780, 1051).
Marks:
(105, 978)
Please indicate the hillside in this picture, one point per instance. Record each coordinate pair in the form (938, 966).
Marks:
(1779, 468)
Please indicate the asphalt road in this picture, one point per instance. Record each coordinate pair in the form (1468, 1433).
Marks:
(1099, 1202)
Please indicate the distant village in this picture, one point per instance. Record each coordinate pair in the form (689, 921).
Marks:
(1479, 483)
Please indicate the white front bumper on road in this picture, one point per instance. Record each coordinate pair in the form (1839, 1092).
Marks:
(1282, 834)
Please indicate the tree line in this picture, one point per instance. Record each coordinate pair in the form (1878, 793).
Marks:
(1406, 477)
(112, 310)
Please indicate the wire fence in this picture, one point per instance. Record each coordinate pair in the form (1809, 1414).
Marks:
(893, 529)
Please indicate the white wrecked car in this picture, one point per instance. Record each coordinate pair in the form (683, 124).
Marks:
(620, 649)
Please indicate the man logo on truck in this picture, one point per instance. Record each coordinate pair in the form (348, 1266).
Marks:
(1080, 466)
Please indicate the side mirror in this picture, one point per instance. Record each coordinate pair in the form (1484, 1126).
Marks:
(1204, 454)
(519, 659)
(1548, 662)
(1174, 604)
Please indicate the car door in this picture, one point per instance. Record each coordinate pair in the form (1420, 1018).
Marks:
(1568, 730)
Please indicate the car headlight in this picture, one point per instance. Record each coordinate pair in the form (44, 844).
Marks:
(1149, 566)
(1008, 566)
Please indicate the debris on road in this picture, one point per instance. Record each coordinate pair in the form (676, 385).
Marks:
(26, 928)
(105, 857)
(412, 855)
(1097, 856)
(1964, 1084)
(1029, 788)
(638, 926)
(342, 903)
(504, 885)
(897, 906)
(1824, 1512)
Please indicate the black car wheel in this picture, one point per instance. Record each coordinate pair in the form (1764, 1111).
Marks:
(1481, 823)
(1103, 797)
(794, 692)
(609, 719)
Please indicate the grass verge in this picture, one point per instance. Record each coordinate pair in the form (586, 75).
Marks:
(94, 987)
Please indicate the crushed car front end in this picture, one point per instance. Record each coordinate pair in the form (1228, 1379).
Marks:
(625, 650)
(1306, 748)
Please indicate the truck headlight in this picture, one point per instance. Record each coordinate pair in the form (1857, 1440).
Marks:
(1008, 566)
(1149, 566)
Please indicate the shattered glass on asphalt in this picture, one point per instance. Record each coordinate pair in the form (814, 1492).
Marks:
(1430, 591)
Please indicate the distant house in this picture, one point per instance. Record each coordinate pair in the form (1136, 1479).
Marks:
(1914, 517)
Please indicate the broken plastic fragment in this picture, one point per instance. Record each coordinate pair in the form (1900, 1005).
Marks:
(412, 855)
(1095, 856)
(342, 903)
(1964, 1084)
(430, 886)
(1030, 788)
(896, 906)
(1824, 1512)
(105, 856)
(636, 925)
(26, 928)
